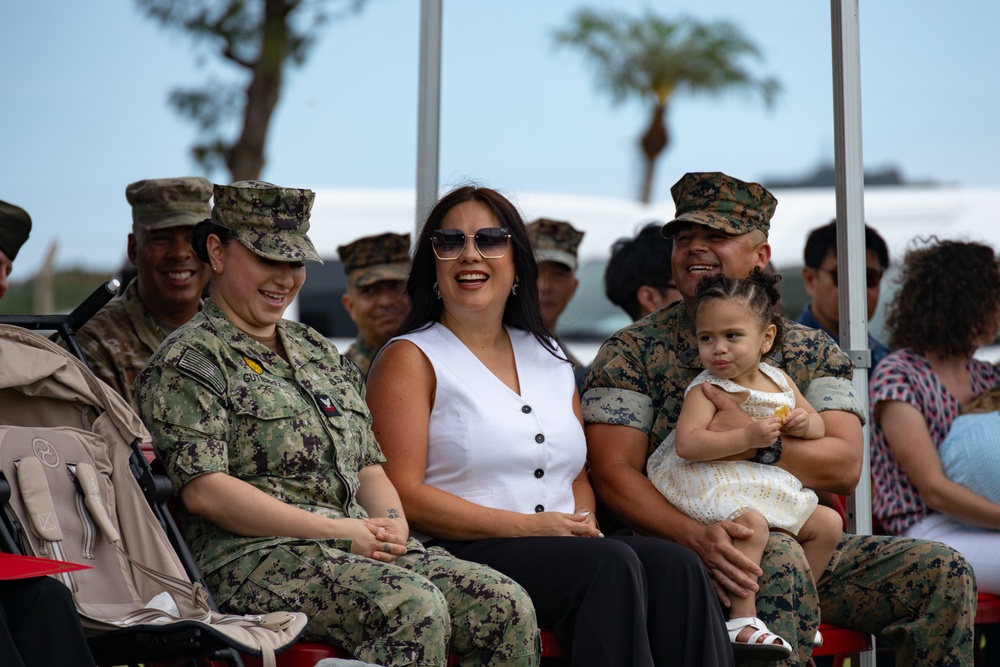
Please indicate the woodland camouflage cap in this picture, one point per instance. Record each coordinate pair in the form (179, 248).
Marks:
(158, 203)
(15, 226)
(555, 241)
(721, 202)
(269, 220)
(371, 259)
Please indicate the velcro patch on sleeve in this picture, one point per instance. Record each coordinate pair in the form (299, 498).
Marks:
(200, 367)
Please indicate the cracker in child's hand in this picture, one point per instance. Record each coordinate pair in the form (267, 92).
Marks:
(782, 411)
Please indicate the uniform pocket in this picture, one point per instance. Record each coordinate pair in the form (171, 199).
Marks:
(266, 420)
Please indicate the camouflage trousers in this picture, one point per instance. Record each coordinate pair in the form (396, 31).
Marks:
(411, 613)
(919, 597)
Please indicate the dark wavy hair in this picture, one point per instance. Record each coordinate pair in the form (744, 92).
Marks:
(948, 299)
(634, 262)
(522, 311)
(759, 292)
(200, 234)
(823, 240)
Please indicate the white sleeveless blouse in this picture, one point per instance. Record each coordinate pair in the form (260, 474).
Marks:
(496, 448)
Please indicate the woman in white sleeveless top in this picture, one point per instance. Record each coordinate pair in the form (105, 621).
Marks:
(476, 409)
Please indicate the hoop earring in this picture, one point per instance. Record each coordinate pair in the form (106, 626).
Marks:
(513, 288)
(437, 291)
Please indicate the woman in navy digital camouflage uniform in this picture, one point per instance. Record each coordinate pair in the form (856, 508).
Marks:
(263, 428)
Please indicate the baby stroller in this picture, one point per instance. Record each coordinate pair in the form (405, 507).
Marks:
(75, 486)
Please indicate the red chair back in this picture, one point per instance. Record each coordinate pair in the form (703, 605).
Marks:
(307, 654)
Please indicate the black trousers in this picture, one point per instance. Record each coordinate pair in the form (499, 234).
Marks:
(39, 626)
(619, 600)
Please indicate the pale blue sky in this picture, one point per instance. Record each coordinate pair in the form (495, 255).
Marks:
(86, 84)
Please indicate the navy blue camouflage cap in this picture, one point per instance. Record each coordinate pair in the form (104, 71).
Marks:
(269, 220)
(159, 203)
(372, 259)
(721, 202)
(555, 241)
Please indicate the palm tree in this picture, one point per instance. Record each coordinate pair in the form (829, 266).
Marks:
(652, 59)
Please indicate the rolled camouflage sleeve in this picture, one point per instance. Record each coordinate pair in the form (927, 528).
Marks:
(821, 370)
(616, 390)
(833, 393)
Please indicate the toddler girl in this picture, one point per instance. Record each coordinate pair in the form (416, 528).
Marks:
(710, 476)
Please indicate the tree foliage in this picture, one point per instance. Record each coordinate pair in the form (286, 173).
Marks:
(259, 38)
(651, 59)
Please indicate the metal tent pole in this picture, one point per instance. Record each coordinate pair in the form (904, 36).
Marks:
(850, 235)
(428, 110)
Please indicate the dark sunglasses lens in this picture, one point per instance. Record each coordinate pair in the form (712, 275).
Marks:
(492, 241)
(447, 243)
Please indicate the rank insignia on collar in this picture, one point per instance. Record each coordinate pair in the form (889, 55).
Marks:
(254, 366)
(327, 405)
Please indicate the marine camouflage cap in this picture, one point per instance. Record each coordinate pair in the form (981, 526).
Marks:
(159, 203)
(269, 220)
(555, 241)
(15, 226)
(721, 202)
(372, 259)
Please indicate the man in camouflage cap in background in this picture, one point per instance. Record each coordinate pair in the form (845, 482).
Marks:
(15, 226)
(556, 244)
(376, 268)
(917, 596)
(121, 337)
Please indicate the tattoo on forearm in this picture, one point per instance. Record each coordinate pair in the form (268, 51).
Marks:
(393, 513)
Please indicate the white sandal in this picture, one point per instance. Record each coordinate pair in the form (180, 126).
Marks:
(772, 647)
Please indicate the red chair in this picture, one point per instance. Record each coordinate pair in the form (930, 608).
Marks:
(987, 639)
(837, 641)
(842, 643)
(301, 654)
(307, 654)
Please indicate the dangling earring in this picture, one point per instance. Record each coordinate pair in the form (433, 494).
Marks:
(437, 291)
(513, 288)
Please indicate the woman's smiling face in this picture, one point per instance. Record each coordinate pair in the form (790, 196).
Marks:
(252, 290)
(471, 282)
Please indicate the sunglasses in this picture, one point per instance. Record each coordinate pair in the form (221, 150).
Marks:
(491, 242)
(872, 276)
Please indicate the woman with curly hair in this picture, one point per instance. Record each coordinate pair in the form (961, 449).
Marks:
(948, 305)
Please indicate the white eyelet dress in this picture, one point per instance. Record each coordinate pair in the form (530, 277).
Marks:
(713, 491)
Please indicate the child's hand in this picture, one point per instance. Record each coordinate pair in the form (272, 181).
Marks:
(763, 432)
(796, 424)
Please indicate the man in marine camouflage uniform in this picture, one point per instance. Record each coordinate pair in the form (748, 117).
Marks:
(556, 244)
(120, 338)
(376, 268)
(917, 596)
(279, 422)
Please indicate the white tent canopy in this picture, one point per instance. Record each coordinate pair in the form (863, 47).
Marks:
(899, 214)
